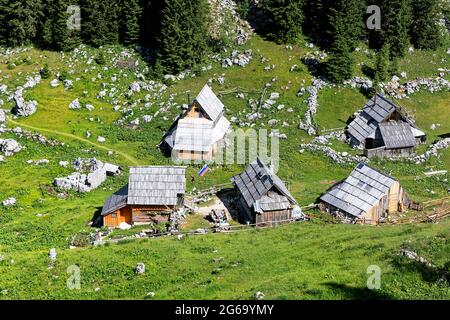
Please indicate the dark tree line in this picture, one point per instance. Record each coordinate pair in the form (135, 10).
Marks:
(338, 25)
(177, 29)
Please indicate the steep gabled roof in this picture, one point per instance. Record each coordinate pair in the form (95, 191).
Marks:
(397, 135)
(199, 134)
(255, 183)
(362, 127)
(360, 191)
(116, 202)
(377, 110)
(156, 185)
(209, 102)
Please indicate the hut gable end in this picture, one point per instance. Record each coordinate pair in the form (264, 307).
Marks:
(362, 190)
(261, 189)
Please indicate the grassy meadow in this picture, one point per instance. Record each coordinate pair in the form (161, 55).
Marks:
(315, 260)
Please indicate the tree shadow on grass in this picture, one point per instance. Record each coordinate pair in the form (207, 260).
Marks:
(353, 293)
(97, 220)
(427, 272)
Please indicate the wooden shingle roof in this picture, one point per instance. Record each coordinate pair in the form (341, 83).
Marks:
(209, 102)
(363, 188)
(377, 110)
(116, 201)
(255, 183)
(397, 135)
(156, 185)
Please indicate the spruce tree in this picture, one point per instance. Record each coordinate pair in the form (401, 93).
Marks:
(19, 21)
(396, 26)
(100, 22)
(424, 31)
(183, 37)
(150, 22)
(339, 67)
(316, 23)
(345, 19)
(382, 68)
(130, 16)
(284, 19)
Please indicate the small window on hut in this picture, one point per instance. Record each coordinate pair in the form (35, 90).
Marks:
(114, 215)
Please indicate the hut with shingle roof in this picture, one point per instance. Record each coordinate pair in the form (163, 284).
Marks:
(366, 196)
(382, 130)
(152, 193)
(197, 133)
(262, 196)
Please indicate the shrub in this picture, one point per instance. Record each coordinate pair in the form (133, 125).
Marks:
(45, 72)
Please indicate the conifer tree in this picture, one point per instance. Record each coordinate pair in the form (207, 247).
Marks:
(396, 26)
(339, 67)
(100, 22)
(130, 16)
(424, 31)
(284, 19)
(19, 21)
(183, 37)
(345, 19)
(316, 23)
(382, 68)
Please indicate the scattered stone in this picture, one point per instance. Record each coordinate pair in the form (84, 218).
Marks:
(23, 108)
(9, 202)
(54, 83)
(52, 255)
(2, 116)
(237, 58)
(259, 295)
(124, 226)
(101, 139)
(9, 147)
(140, 268)
(75, 104)
(68, 84)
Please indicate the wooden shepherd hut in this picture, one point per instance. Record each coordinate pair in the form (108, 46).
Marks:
(366, 196)
(262, 196)
(382, 130)
(151, 195)
(197, 133)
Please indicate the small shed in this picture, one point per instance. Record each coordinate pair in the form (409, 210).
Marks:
(262, 196)
(366, 196)
(382, 130)
(197, 133)
(151, 195)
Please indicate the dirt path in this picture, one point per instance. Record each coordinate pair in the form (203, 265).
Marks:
(74, 137)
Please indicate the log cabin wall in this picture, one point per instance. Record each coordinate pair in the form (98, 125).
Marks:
(272, 217)
(116, 218)
(394, 197)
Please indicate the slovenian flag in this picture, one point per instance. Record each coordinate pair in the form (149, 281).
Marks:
(204, 170)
